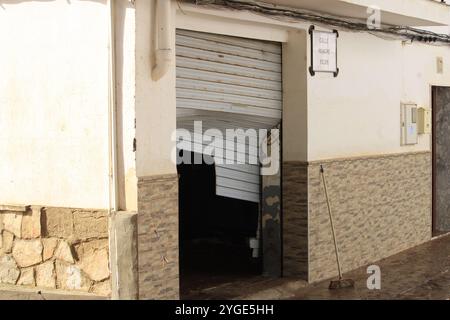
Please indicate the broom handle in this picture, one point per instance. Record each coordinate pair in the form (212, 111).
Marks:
(331, 221)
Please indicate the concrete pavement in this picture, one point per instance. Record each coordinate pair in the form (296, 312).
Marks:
(422, 272)
(15, 293)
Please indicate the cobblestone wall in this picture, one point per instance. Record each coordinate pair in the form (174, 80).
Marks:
(55, 248)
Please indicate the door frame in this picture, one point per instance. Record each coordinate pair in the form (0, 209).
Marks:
(433, 162)
(434, 232)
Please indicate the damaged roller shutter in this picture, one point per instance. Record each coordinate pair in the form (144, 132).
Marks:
(229, 83)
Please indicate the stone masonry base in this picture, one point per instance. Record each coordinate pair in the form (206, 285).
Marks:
(158, 237)
(55, 248)
(295, 220)
(381, 206)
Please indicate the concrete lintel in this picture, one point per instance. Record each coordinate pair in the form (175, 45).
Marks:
(13, 208)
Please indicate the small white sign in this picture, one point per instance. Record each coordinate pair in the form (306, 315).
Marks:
(324, 46)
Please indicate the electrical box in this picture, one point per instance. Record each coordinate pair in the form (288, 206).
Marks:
(409, 123)
(424, 121)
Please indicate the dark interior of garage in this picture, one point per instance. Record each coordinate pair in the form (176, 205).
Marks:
(214, 232)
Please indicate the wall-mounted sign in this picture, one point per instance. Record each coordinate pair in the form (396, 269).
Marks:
(323, 51)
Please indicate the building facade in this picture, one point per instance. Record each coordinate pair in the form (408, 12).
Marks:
(91, 92)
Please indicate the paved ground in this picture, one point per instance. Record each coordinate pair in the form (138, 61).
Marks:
(422, 272)
(12, 293)
(419, 273)
(251, 288)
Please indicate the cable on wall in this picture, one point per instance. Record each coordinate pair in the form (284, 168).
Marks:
(295, 15)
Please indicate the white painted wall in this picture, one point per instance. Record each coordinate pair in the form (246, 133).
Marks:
(155, 100)
(54, 103)
(295, 97)
(358, 113)
(125, 97)
(54, 96)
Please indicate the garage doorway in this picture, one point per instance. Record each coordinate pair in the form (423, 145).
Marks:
(214, 233)
(224, 83)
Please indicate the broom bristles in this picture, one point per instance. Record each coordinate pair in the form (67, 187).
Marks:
(341, 284)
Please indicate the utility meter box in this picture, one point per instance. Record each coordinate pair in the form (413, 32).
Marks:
(409, 117)
(424, 121)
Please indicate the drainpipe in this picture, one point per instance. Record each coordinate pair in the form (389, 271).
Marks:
(163, 53)
(112, 145)
(112, 128)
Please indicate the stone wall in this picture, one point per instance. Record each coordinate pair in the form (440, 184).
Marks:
(295, 219)
(55, 248)
(381, 206)
(158, 237)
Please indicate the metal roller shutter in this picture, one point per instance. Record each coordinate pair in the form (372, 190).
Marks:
(229, 83)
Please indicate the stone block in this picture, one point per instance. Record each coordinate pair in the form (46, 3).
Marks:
(90, 224)
(45, 275)
(12, 222)
(95, 263)
(31, 223)
(57, 222)
(7, 242)
(27, 252)
(26, 277)
(9, 272)
(49, 245)
(102, 288)
(85, 248)
(12, 208)
(71, 277)
(64, 252)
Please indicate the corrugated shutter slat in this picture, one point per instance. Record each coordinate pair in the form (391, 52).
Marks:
(229, 83)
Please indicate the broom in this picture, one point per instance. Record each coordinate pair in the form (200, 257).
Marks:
(341, 283)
